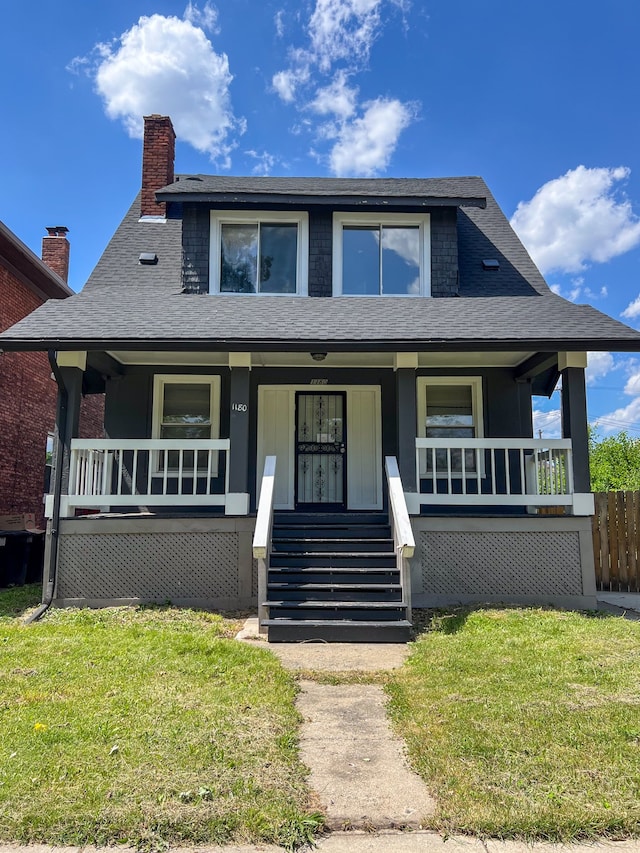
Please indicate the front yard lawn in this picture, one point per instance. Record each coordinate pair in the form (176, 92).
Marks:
(148, 726)
(525, 723)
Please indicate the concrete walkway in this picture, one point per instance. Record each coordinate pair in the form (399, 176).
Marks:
(622, 602)
(357, 766)
(360, 842)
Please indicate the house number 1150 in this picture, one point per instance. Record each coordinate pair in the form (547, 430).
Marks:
(238, 407)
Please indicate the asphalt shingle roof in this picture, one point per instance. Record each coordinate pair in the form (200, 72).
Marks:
(470, 189)
(93, 320)
(127, 305)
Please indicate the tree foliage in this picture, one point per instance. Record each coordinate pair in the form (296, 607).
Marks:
(614, 462)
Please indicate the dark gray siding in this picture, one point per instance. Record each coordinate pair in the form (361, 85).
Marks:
(444, 252)
(195, 248)
(129, 400)
(320, 252)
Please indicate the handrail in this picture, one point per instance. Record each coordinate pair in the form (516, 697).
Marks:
(262, 534)
(401, 528)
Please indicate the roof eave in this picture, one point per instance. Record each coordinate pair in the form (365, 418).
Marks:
(29, 268)
(290, 199)
(279, 344)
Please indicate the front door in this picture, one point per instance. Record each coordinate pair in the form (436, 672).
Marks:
(320, 451)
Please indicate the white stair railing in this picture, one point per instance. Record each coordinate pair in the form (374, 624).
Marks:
(262, 535)
(401, 529)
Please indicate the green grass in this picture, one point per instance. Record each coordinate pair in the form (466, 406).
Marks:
(147, 726)
(525, 723)
(19, 600)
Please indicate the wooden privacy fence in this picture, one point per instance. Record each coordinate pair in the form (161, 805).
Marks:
(616, 530)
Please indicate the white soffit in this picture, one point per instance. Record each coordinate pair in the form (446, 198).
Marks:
(333, 359)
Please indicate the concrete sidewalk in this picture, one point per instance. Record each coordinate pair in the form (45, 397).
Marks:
(364, 842)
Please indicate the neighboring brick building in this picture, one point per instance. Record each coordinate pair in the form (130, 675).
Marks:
(27, 391)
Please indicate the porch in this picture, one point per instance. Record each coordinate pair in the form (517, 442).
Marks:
(164, 531)
(507, 475)
(171, 500)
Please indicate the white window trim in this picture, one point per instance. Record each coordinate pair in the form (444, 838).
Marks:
(162, 379)
(422, 220)
(252, 217)
(477, 411)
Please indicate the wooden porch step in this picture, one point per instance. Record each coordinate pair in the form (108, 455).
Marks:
(308, 545)
(328, 605)
(337, 611)
(331, 631)
(332, 531)
(296, 575)
(345, 519)
(333, 559)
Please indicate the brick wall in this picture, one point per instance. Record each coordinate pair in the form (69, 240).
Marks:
(27, 409)
(158, 154)
(91, 416)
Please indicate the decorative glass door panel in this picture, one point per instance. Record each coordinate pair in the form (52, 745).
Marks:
(321, 450)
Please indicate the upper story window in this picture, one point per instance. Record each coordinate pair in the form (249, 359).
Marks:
(381, 255)
(259, 252)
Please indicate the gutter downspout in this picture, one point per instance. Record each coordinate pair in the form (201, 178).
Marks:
(50, 570)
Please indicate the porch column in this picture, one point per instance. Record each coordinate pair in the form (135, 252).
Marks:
(71, 366)
(406, 419)
(238, 497)
(574, 425)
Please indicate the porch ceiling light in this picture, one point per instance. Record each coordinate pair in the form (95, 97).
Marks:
(148, 258)
(318, 356)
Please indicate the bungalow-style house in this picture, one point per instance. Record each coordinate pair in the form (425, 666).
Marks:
(318, 401)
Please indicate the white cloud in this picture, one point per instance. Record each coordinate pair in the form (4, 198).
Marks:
(632, 310)
(341, 34)
(337, 99)
(578, 219)
(625, 418)
(549, 424)
(599, 364)
(167, 65)
(206, 18)
(286, 83)
(278, 20)
(365, 144)
(343, 30)
(632, 386)
(264, 162)
(578, 291)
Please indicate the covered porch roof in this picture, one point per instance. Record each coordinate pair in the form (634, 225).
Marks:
(200, 322)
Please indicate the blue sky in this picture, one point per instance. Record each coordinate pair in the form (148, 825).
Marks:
(541, 99)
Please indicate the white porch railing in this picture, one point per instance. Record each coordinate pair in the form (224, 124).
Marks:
(495, 472)
(401, 528)
(262, 535)
(148, 472)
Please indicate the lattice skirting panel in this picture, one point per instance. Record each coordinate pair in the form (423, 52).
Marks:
(150, 566)
(507, 563)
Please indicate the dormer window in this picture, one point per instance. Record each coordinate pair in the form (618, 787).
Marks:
(381, 255)
(259, 252)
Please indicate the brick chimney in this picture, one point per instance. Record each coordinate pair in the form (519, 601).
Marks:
(158, 155)
(55, 251)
